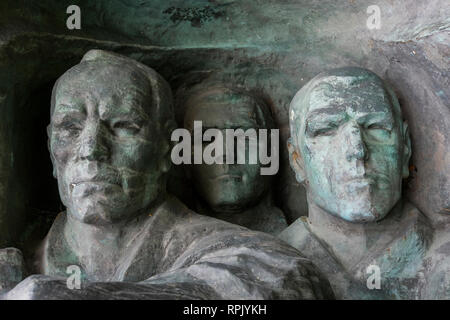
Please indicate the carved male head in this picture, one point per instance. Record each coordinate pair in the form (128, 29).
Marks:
(109, 136)
(349, 144)
(228, 187)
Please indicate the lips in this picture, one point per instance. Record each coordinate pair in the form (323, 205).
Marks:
(88, 187)
(360, 180)
(98, 180)
(75, 184)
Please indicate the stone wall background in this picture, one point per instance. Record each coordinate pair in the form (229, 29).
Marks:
(273, 47)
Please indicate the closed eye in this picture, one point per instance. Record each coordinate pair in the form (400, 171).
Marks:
(377, 126)
(322, 131)
(69, 126)
(127, 127)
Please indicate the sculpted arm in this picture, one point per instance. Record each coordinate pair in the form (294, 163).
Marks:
(252, 266)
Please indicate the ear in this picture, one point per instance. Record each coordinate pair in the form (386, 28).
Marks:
(296, 161)
(166, 161)
(406, 150)
(49, 135)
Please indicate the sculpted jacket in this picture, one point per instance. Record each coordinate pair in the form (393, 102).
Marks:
(178, 254)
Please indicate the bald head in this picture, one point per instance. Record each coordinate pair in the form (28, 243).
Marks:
(344, 90)
(349, 143)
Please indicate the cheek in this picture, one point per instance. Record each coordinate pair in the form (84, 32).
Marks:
(136, 155)
(141, 152)
(321, 156)
(385, 158)
(385, 155)
(61, 149)
(251, 172)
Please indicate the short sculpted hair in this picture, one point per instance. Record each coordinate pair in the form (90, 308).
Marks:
(211, 89)
(161, 94)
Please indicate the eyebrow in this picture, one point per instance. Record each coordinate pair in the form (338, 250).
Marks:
(324, 117)
(130, 108)
(134, 113)
(59, 117)
(382, 118)
(69, 107)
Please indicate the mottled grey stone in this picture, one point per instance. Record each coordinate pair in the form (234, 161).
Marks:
(274, 53)
(398, 245)
(437, 267)
(350, 148)
(237, 193)
(12, 268)
(111, 119)
(181, 254)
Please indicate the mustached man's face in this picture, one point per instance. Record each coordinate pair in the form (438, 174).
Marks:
(226, 187)
(105, 146)
(353, 150)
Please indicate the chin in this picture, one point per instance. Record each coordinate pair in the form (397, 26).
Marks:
(359, 217)
(237, 204)
(95, 213)
(225, 205)
(363, 213)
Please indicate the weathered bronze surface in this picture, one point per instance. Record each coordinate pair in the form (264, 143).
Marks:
(236, 193)
(350, 147)
(271, 48)
(111, 119)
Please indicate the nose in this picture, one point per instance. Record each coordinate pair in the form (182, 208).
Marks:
(92, 144)
(356, 148)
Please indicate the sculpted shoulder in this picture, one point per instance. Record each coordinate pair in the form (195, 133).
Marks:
(437, 266)
(192, 231)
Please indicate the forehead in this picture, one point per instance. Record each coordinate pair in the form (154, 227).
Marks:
(348, 95)
(222, 110)
(101, 82)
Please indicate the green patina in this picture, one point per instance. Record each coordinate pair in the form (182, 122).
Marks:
(352, 144)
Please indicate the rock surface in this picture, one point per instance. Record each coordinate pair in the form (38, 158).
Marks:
(12, 268)
(272, 47)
